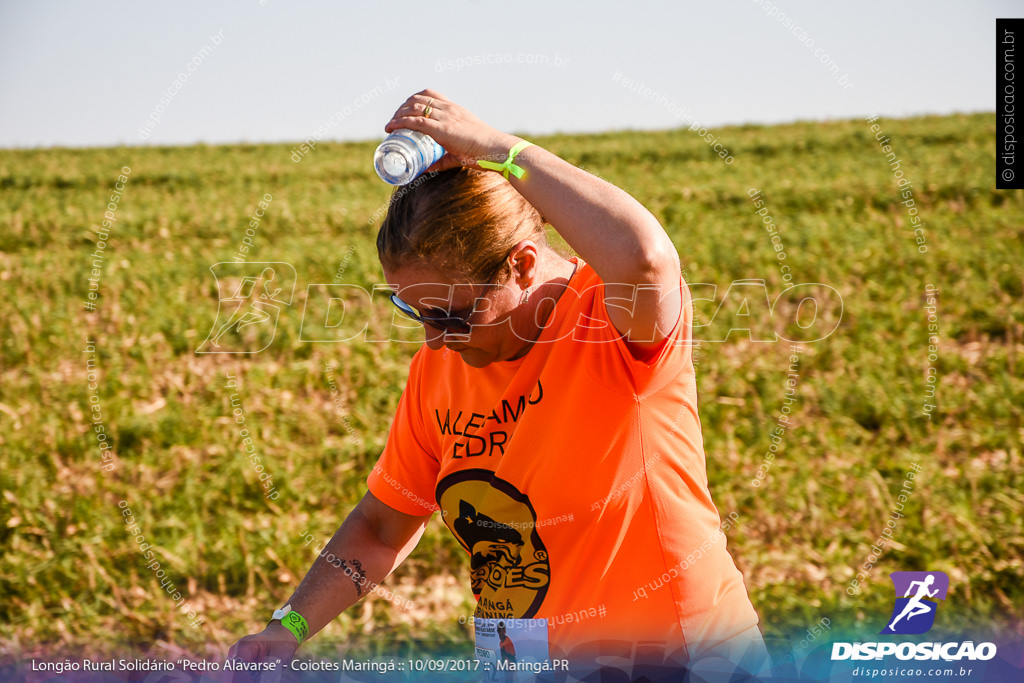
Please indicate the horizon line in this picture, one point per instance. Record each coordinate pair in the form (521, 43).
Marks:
(299, 141)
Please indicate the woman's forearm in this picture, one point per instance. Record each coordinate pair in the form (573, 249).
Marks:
(613, 232)
(361, 554)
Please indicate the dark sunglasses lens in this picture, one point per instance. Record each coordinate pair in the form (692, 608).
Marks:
(405, 308)
(457, 326)
(452, 325)
(449, 325)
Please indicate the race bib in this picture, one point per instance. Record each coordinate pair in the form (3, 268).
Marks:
(504, 645)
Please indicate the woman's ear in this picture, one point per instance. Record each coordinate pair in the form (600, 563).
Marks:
(525, 264)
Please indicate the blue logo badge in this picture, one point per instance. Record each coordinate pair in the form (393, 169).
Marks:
(916, 593)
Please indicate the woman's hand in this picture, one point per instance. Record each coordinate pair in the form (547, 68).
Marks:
(465, 138)
(274, 642)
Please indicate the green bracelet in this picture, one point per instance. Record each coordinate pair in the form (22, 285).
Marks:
(507, 166)
(297, 624)
(293, 621)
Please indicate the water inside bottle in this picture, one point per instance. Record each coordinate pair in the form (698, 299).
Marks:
(404, 155)
(395, 163)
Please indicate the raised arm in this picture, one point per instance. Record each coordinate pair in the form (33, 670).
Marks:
(370, 543)
(613, 232)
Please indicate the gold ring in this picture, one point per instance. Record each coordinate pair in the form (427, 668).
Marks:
(427, 109)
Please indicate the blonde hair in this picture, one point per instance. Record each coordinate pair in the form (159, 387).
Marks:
(463, 222)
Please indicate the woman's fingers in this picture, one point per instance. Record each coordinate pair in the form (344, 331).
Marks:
(418, 123)
(247, 649)
(417, 105)
(423, 96)
(444, 163)
(412, 116)
(464, 137)
(419, 109)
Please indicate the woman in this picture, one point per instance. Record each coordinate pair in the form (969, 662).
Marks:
(551, 416)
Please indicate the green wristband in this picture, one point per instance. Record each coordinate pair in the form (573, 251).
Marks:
(507, 166)
(293, 621)
(296, 623)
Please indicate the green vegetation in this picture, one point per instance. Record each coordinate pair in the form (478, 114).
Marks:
(73, 580)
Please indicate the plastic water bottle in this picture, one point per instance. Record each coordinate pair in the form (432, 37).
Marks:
(404, 155)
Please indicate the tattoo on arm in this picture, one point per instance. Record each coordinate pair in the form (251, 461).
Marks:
(354, 570)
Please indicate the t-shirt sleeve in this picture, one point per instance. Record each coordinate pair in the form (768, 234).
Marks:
(657, 367)
(405, 475)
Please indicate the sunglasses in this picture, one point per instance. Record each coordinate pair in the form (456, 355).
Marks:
(455, 322)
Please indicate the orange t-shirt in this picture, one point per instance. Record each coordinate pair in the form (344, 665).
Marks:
(575, 478)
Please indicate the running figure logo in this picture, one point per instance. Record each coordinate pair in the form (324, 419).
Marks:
(915, 608)
(249, 302)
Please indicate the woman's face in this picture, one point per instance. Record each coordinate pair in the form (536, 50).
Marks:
(492, 311)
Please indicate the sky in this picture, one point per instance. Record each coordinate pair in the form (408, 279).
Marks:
(92, 74)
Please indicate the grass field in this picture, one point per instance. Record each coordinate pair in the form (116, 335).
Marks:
(72, 580)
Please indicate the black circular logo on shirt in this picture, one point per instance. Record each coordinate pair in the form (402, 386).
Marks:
(497, 526)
